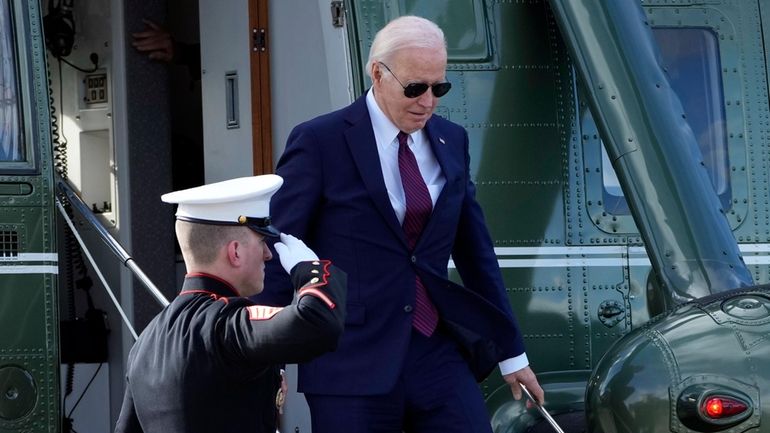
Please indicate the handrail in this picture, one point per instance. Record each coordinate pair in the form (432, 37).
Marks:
(128, 261)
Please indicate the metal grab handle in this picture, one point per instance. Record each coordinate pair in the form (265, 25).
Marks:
(542, 410)
(77, 204)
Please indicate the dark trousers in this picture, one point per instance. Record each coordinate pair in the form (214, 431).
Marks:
(436, 393)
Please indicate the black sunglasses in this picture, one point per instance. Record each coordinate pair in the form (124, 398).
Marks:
(413, 90)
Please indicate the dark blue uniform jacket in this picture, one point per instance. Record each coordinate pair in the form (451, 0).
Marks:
(207, 362)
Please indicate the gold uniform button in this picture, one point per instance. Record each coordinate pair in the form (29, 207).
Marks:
(314, 280)
(316, 263)
(314, 271)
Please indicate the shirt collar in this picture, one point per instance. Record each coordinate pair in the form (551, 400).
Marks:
(384, 130)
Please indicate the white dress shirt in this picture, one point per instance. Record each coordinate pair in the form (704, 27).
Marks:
(385, 134)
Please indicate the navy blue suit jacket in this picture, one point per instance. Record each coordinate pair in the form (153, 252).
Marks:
(334, 198)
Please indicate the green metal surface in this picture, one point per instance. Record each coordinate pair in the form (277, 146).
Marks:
(29, 320)
(638, 381)
(19, 392)
(653, 149)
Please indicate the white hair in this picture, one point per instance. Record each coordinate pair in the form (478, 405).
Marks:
(404, 32)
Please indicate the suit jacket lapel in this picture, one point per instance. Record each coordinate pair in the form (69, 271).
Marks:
(363, 147)
(441, 150)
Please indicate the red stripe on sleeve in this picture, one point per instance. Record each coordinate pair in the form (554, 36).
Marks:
(262, 312)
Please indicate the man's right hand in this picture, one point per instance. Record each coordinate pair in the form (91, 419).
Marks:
(526, 377)
(292, 251)
(155, 41)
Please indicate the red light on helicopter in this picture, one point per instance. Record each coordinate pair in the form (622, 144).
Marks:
(717, 407)
(714, 407)
(709, 407)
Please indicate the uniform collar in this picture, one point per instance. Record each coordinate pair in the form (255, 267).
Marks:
(209, 284)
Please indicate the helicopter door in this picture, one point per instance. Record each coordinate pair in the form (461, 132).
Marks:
(716, 72)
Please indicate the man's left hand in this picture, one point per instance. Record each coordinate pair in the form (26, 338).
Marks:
(526, 377)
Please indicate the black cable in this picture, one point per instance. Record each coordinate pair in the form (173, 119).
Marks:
(67, 425)
(59, 147)
(70, 382)
(61, 166)
(58, 138)
(82, 394)
(94, 60)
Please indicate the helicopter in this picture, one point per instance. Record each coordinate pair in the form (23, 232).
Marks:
(618, 149)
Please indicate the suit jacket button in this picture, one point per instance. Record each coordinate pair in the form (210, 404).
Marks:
(407, 309)
(414, 259)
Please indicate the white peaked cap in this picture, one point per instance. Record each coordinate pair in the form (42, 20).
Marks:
(240, 201)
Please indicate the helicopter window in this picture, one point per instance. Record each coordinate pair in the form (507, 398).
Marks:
(691, 58)
(11, 143)
(467, 27)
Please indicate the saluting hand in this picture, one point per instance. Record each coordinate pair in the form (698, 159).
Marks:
(292, 251)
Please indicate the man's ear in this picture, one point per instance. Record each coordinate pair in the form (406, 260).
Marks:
(376, 71)
(233, 250)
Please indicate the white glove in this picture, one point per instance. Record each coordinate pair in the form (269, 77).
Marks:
(292, 251)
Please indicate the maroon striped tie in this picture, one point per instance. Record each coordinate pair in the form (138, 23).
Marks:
(418, 209)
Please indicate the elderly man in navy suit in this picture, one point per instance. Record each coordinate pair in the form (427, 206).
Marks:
(383, 188)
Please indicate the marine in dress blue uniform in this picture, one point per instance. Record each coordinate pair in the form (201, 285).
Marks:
(208, 362)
